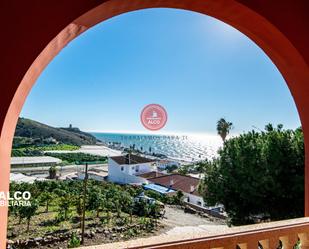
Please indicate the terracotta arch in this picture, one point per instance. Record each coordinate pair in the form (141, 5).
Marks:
(37, 45)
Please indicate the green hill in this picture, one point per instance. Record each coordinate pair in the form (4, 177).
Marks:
(32, 132)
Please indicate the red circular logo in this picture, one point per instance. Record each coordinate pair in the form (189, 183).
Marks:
(153, 117)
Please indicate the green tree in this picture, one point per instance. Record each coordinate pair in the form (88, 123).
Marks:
(52, 172)
(127, 204)
(258, 174)
(107, 205)
(154, 211)
(28, 212)
(178, 198)
(95, 199)
(46, 198)
(64, 207)
(223, 128)
(77, 203)
(112, 201)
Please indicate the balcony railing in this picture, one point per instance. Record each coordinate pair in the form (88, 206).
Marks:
(265, 235)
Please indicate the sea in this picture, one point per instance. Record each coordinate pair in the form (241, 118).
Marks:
(179, 147)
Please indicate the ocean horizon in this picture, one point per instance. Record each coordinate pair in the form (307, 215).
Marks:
(180, 147)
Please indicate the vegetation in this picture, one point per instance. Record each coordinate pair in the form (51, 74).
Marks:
(74, 241)
(171, 168)
(196, 168)
(45, 199)
(171, 200)
(28, 212)
(78, 158)
(223, 128)
(56, 207)
(258, 175)
(52, 172)
(31, 150)
(30, 132)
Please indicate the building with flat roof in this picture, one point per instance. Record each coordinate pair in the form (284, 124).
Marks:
(127, 168)
(34, 161)
(131, 159)
(164, 163)
(21, 178)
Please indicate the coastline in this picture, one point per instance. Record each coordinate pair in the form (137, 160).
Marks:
(184, 148)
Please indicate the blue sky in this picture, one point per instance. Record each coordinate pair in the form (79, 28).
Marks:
(197, 67)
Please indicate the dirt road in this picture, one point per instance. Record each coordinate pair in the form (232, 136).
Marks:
(176, 221)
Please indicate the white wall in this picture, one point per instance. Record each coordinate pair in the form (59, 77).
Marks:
(115, 174)
(194, 199)
(139, 168)
(163, 165)
(95, 177)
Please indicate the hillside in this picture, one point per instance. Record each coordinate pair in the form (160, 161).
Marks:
(42, 133)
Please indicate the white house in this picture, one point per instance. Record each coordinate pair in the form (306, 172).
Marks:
(125, 169)
(186, 184)
(162, 164)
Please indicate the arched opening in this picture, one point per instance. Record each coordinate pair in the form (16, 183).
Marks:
(283, 54)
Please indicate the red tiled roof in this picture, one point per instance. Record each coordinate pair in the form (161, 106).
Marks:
(151, 174)
(180, 182)
(131, 159)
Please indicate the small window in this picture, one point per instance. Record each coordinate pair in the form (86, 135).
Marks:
(122, 168)
(199, 203)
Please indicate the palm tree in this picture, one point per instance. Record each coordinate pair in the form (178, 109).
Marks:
(223, 128)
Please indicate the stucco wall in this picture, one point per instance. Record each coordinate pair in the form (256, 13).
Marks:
(194, 199)
(116, 175)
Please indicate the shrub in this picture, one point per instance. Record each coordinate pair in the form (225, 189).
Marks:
(74, 241)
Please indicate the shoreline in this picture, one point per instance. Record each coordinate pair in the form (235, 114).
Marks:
(184, 148)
